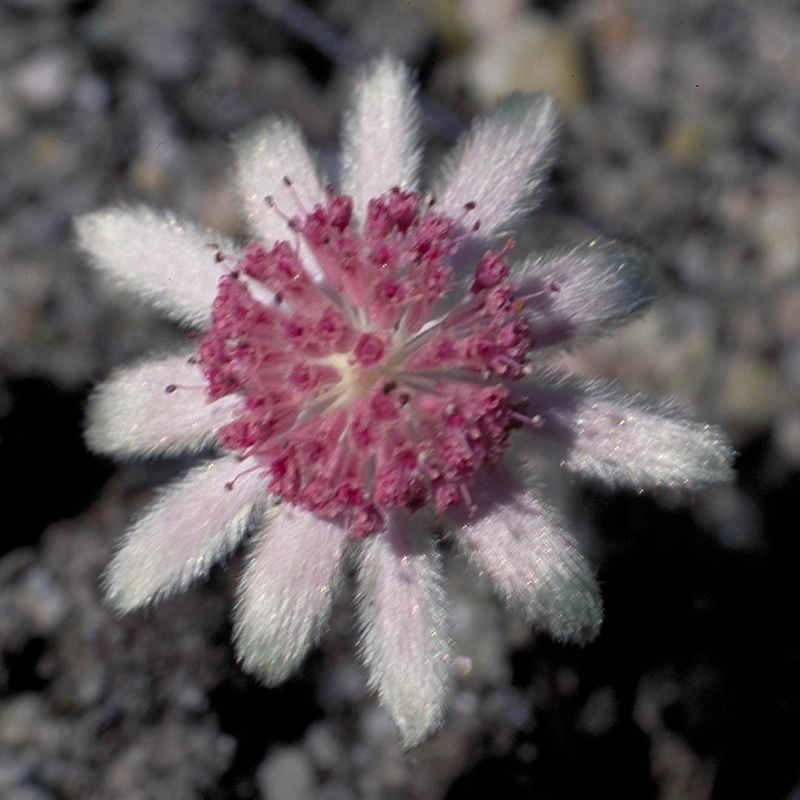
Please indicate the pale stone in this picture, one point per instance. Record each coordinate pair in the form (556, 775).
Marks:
(287, 774)
(531, 54)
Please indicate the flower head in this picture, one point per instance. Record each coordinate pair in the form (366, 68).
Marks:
(365, 366)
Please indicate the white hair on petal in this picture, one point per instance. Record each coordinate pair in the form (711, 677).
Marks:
(155, 407)
(286, 591)
(624, 439)
(266, 156)
(171, 263)
(523, 547)
(578, 292)
(402, 614)
(194, 523)
(499, 163)
(381, 134)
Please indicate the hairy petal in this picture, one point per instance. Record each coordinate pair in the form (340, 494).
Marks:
(625, 439)
(264, 159)
(499, 163)
(381, 148)
(286, 591)
(164, 260)
(194, 523)
(523, 547)
(402, 615)
(582, 291)
(133, 412)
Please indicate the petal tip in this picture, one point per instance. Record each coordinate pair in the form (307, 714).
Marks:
(98, 431)
(253, 657)
(500, 162)
(579, 618)
(123, 591)
(415, 728)
(286, 592)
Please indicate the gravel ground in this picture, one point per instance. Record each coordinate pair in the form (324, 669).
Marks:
(680, 134)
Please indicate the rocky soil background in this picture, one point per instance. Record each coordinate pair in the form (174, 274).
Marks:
(680, 133)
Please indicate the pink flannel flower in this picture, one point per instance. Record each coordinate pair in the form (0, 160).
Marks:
(365, 367)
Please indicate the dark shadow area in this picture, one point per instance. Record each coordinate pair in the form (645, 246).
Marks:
(721, 624)
(46, 471)
(256, 717)
(21, 668)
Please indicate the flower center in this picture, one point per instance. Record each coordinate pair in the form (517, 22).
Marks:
(359, 391)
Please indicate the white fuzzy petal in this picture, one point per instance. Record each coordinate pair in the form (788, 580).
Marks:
(523, 547)
(402, 614)
(381, 148)
(624, 439)
(264, 158)
(582, 291)
(286, 591)
(165, 260)
(131, 413)
(194, 523)
(499, 163)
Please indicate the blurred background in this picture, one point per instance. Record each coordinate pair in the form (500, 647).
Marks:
(680, 133)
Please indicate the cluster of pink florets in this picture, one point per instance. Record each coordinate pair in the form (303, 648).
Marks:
(357, 393)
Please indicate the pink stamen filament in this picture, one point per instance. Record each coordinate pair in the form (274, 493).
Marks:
(230, 484)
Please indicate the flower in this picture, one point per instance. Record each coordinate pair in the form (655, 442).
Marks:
(372, 366)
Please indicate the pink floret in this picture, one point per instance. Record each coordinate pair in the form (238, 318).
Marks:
(355, 397)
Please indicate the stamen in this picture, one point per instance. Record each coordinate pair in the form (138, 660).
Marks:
(171, 388)
(551, 288)
(463, 237)
(536, 421)
(219, 256)
(273, 205)
(230, 484)
(467, 498)
(468, 229)
(289, 184)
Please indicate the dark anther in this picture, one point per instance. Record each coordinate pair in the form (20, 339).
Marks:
(170, 388)
(278, 298)
(269, 200)
(470, 206)
(287, 180)
(389, 386)
(229, 486)
(191, 360)
(218, 256)
(554, 287)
